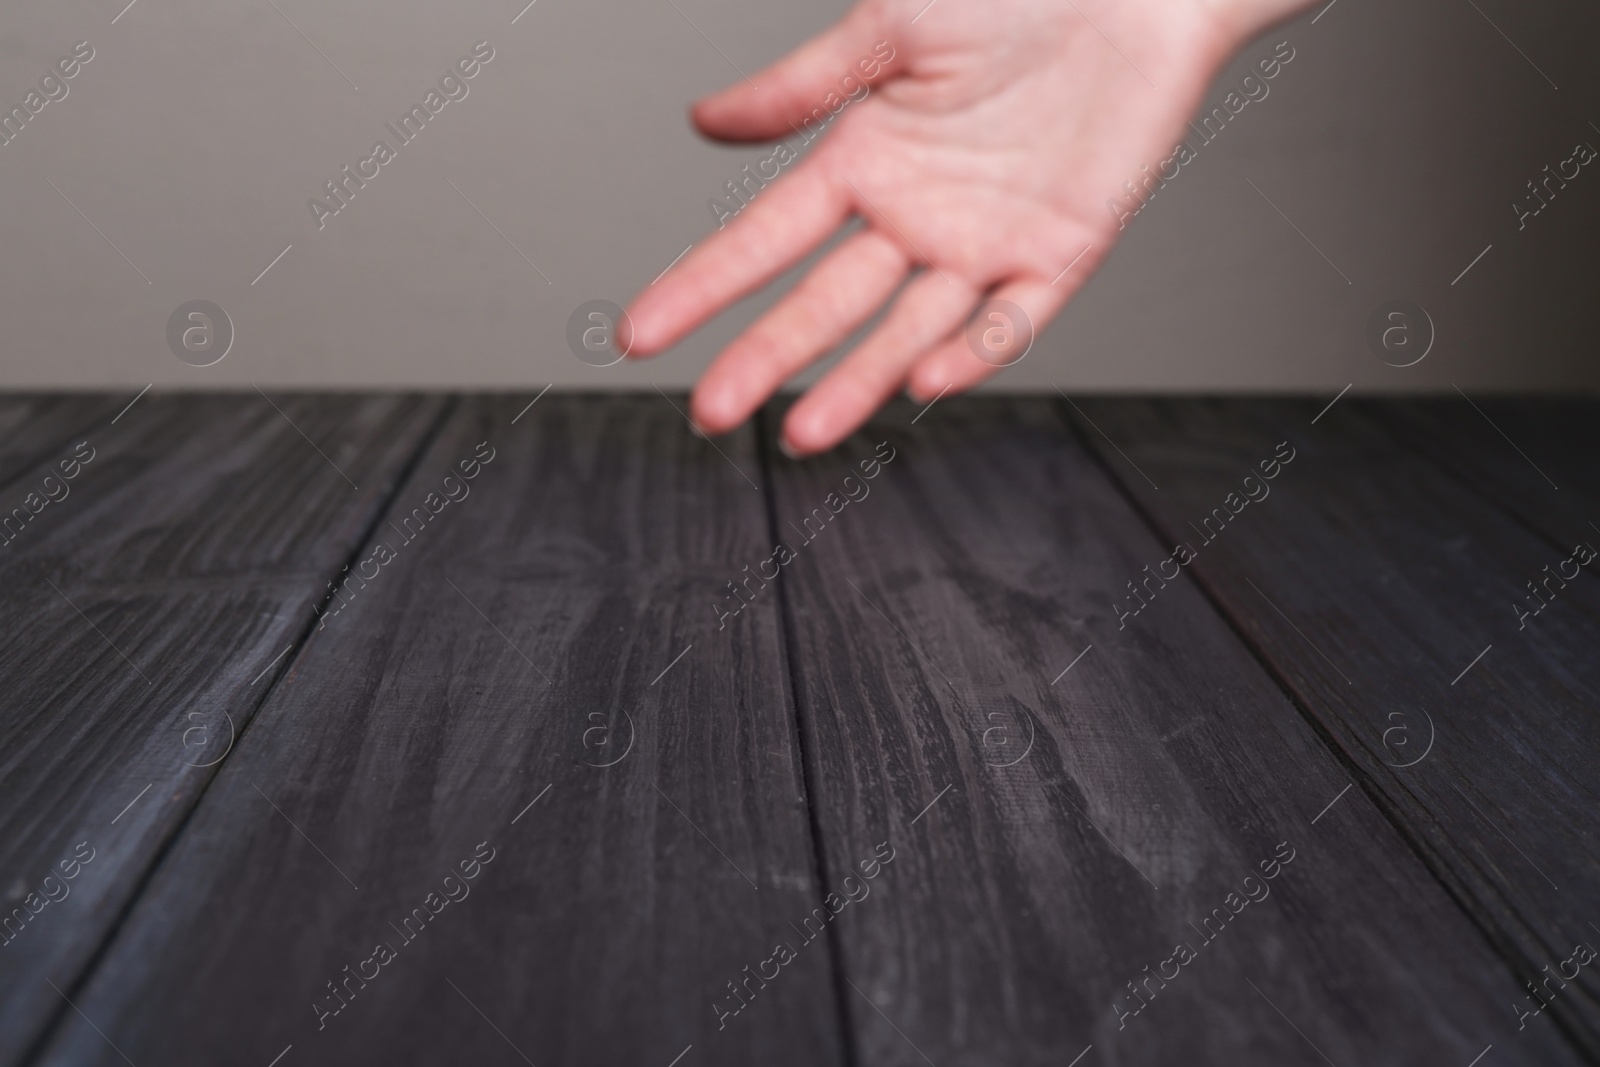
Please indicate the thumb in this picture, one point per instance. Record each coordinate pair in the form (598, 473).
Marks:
(809, 84)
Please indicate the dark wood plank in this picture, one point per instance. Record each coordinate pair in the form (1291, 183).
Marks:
(1535, 456)
(38, 428)
(527, 635)
(1373, 581)
(933, 625)
(141, 607)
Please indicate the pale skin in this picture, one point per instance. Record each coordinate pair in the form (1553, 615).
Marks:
(979, 164)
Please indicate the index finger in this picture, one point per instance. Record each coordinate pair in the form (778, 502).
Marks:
(769, 236)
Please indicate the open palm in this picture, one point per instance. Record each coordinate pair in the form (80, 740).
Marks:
(981, 163)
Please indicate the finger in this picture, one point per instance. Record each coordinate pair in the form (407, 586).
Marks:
(930, 308)
(777, 101)
(956, 365)
(776, 231)
(839, 294)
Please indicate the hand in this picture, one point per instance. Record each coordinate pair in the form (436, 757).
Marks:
(980, 161)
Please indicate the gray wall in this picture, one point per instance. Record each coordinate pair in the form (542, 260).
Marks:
(1396, 141)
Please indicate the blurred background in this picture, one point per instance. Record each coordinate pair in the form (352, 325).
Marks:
(179, 164)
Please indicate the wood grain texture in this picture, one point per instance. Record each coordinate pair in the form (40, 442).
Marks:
(141, 605)
(38, 428)
(1374, 580)
(930, 626)
(1535, 456)
(523, 637)
(1054, 832)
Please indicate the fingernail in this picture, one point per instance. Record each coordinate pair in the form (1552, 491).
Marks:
(786, 449)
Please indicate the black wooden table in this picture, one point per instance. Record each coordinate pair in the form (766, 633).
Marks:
(411, 729)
